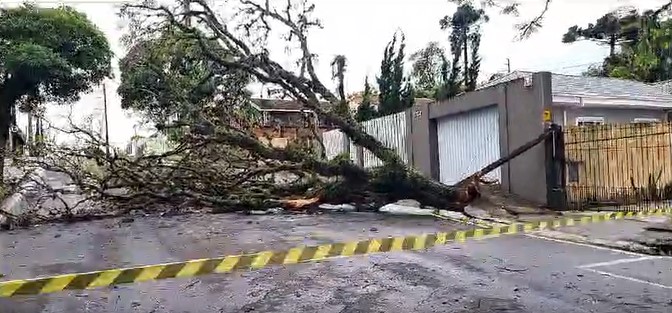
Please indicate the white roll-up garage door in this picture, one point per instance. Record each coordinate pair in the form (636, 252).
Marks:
(468, 142)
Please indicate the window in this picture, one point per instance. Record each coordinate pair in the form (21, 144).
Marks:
(589, 120)
(645, 121)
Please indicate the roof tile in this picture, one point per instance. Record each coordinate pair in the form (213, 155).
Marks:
(574, 85)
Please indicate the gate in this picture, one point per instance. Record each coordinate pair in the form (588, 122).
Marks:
(617, 166)
(467, 142)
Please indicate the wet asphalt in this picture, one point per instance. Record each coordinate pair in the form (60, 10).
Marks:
(506, 274)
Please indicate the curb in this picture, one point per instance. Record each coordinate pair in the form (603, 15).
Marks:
(627, 246)
(17, 203)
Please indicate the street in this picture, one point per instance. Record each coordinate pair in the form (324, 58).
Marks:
(507, 274)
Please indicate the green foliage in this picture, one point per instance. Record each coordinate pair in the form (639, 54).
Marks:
(338, 68)
(614, 28)
(433, 75)
(475, 65)
(396, 92)
(464, 27)
(168, 78)
(49, 54)
(427, 68)
(365, 110)
(644, 42)
(649, 60)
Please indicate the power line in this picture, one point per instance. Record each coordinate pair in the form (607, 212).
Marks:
(558, 68)
(578, 65)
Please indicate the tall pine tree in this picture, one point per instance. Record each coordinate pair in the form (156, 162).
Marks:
(396, 92)
(365, 110)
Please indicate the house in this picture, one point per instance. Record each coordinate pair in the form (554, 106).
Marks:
(286, 113)
(282, 121)
(450, 140)
(581, 100)
(477, 128)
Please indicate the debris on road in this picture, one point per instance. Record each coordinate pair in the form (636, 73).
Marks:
(401, 209)
(337, 207)
(299, 204)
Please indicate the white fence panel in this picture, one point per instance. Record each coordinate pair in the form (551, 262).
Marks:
(335, 143)
(391, 131)
(353, 153)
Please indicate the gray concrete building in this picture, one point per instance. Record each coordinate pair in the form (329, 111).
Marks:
(452, 139)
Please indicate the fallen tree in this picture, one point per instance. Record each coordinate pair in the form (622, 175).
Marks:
(186, 71)
(235, 43)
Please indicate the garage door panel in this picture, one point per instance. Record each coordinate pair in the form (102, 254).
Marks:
(468, 142)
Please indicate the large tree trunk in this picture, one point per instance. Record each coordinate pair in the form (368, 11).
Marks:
(6, 103)
(29, 135)
(467, 75)
(234, 54)
(612, 45)
(8, 98)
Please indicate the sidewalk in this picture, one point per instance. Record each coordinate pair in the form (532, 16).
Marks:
(647, 235)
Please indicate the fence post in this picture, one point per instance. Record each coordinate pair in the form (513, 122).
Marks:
(556, 197)
(345, 143)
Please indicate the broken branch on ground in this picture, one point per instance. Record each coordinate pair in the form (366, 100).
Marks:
(212, 157)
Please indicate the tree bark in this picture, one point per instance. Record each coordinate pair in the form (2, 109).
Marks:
(29, 135)
(235, 54)
(467, 75)
(612, 45)
(7, 101)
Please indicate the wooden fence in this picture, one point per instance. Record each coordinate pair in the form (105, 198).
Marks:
(618, 164)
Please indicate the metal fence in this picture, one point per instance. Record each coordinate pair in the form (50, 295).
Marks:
(618, 166)
(391, 130)
(335, 142)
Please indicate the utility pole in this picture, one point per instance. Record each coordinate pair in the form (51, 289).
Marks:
(187, 18)
(508, 65)
(107, 133)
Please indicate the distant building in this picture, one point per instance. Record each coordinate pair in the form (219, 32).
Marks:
(282, 121)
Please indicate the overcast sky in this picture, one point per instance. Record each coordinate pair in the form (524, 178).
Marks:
(360, 29)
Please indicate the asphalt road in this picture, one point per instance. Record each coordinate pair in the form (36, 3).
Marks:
(506, 274)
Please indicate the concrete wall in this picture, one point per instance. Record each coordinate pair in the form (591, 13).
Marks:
(521, 111)
(566, 116)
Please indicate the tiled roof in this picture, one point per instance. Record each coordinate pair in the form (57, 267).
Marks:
(572, 85)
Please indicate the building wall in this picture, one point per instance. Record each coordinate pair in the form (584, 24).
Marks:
(566, 116)
(280, 137)
(524, 107)
(521, 120)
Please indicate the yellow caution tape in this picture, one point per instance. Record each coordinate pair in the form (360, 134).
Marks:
(302, 254)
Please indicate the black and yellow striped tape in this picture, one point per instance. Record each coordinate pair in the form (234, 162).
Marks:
(303, 254)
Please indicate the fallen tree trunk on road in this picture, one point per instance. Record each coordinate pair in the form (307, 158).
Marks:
(503, 160)
(217, 162)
